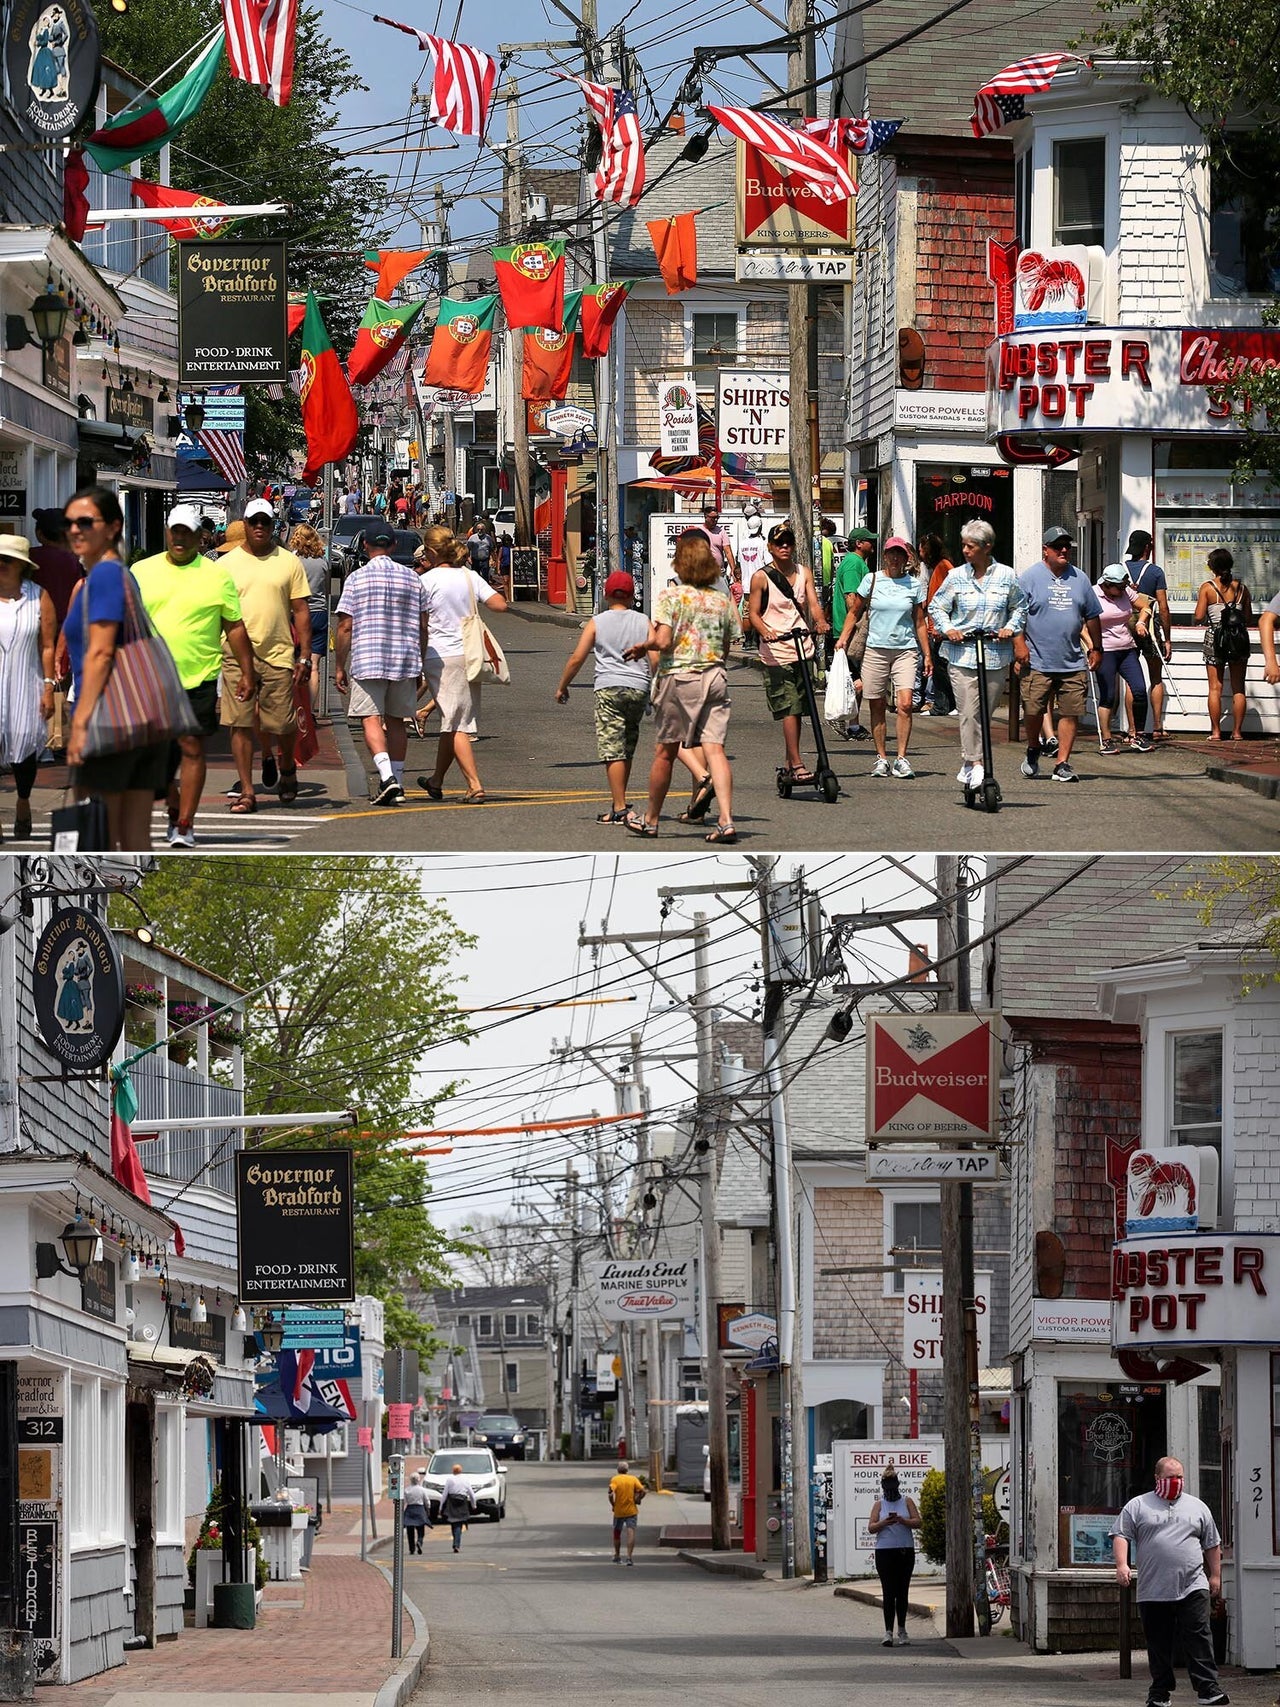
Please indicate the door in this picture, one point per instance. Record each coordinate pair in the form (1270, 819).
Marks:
(140, 1466)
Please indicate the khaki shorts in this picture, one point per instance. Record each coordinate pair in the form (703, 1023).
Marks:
(377, 696)
(692, 707)
(273, 703)
(1072, 695)
(458, 699)
(883, 669)
(784, 690)
(619, 714)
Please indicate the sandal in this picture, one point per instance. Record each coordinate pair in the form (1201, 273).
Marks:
(612, 817)
(477, 799)
(433, 789)
(288, 790)
(700, 804)
(243, 804)
(637, 825)
(722, 833)
(799, 775)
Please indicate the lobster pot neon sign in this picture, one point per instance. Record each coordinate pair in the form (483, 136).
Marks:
(1171, 1191)
(1051, 287)
(1195, 1289)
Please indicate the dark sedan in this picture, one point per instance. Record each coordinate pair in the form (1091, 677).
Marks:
(501, 1433)
(406, 543)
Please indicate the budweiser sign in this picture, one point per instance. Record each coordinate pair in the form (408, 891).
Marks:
(932, 1078)
(775, 209)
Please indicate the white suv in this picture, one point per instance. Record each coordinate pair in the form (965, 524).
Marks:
(487, 1477)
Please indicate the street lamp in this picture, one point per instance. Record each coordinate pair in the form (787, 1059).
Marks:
(82, 1246)
(50, 311)
(271, 1333)
(193, 415)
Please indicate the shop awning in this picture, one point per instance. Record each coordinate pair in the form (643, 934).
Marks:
(42, 247)
(168, 1366)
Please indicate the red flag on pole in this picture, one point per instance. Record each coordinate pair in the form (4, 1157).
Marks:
(328, 409)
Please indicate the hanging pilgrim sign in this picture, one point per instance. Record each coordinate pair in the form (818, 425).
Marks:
(77, 985)
(51, 56)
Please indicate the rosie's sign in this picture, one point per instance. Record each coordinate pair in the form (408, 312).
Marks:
(295, 1226)
(932, 1078)
(1196, 1289)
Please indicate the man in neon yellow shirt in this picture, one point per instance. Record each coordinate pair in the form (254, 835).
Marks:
(193, 603)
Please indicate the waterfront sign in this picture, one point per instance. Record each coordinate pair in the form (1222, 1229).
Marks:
(77, 986)
(933, 1077)
(295, 1234)
(641, 1290)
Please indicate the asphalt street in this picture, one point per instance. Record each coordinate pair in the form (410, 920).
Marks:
(545, 786)
(533, 1609)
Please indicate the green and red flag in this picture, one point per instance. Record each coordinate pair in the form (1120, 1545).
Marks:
(201, 224)
(459, 356)
(328, 409)
(392, 265)
(145, 130)
(601, 305)
(382, 332)
(548, 356)
(531, 280)
(297, 306)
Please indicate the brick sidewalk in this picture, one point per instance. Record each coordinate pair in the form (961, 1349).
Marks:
(329, 1634)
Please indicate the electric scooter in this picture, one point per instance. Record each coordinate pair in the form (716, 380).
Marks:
(825, 779)
(987, 796)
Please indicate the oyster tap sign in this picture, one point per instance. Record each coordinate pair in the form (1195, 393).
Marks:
(1130, 379)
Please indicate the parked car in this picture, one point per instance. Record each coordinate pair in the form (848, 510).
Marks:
(341, 537)
(501, 1433)
(406, 543)
(480, 1468)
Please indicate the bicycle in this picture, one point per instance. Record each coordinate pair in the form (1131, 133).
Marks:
(997, 1578)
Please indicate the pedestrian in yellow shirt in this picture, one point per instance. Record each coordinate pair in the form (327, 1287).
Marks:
(625, 1493)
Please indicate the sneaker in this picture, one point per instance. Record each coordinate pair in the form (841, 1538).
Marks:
(234, 792)
(270, 771)
(880, 768)
(1159, 1701)
(977, 776)
(901, 767)
(1049, 746)
(1219, 1698)
(1108, 748)
(385, 793)
(1142, 744)
(1030, 766)
(902, 1639)
(183, 836)
(888, 1641)
(630, 1563)
(1064, 773)
(170, 833)
(965, 774)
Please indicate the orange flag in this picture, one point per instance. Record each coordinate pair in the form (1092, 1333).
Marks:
(675, 243)
(392, 265)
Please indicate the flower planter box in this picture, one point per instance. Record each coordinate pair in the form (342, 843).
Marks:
(209, 1569)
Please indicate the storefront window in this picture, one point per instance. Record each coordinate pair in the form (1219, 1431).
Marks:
(1080, 191)
(715, 345)
(1275, 1451)
(1209, 1441)
(1109, 1438)
(1196, 1081)
(840, 1419)
(949, 494)
(1200, 507)
(1244, 245)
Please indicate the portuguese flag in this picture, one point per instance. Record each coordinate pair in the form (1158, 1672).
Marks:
(531, 280)
(146, 129)
(459, 356)
(382, 331)
(202, 224)
(297, 310)
(328, 408)
(548, 356)
(601, 305)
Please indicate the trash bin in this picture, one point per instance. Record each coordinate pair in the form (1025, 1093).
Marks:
(234, 1606)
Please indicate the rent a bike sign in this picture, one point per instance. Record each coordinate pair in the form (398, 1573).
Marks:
(933, 1078)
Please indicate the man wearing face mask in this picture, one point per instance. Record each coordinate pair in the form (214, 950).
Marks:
(1179, 1557)
(894, 1518)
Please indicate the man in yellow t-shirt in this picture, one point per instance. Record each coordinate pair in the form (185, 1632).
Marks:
(625, 1493)
(274, 592)
(193, 603)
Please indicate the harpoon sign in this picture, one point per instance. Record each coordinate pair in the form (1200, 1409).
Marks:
(933, 1078)
(638, 1291)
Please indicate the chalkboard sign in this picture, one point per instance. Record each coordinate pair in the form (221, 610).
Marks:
(526, 571)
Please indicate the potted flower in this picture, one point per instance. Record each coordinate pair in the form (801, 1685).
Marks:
(207, 1570)
(141, 1003)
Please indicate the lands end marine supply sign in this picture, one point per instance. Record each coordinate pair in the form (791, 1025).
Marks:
(232, 314)
(77, 985)
(295, 1226)
(932, 1078)
(635, 1291)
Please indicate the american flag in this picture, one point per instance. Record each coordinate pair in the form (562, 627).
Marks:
(260, 43)
(803, 156)
(225, 452)
(859, 136)
(1000, 101)
(620, 175)
(463, 83)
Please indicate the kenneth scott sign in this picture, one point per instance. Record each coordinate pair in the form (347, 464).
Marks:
(295, 1226)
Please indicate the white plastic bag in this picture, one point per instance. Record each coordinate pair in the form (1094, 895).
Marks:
(841, 700)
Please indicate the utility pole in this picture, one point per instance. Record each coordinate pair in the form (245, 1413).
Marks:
(717, 1421)
(522, 481)
(961, 1430)
(802, 331)
(652, 1332)
(575, 1265)
(608, 509)
(625, 1388)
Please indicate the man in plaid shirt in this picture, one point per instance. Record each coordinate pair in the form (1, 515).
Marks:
(382, 630)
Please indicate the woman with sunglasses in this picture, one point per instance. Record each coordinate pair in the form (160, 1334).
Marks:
(896, 638)
(127, 783)
(783, 602)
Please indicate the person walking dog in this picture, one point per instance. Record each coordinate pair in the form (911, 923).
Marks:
(1179, 1556)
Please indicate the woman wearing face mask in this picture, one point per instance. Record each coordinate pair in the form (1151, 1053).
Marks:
(894, 1520)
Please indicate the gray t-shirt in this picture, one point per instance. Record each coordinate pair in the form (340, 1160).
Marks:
(1273, 605)
(616, 630)
(1167, 1543)
(1058, 606)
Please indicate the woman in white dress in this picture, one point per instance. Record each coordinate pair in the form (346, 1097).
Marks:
(453, 590)
(28, 634)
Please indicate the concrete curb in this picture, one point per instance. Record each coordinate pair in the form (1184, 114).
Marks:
(408, 1674)
(871, 1597)
(725, 1565)
(1267, 786)
(352, 763)
(545, 613)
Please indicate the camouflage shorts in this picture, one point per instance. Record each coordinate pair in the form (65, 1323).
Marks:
(619, 712)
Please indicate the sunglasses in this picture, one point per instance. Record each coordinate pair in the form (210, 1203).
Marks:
(782, 539)
(79, 523)
(260, 522)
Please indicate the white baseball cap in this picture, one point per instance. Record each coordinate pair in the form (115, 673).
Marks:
(184, 516)
(258, 507)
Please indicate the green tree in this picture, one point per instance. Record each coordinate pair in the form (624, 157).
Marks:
(351, 962)
(1240, 896)
(933, 1516)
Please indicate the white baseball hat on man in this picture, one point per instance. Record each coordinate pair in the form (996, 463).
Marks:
(185, 516)
(258, 507)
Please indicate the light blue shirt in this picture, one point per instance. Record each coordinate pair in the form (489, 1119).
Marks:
(1058, 606)
(970, 603)
(893, 602)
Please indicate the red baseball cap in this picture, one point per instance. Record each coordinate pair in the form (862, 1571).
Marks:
(619, 582)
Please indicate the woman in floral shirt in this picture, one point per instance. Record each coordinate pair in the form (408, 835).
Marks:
(694, 626)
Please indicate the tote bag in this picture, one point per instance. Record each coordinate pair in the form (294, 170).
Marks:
(143, 701)
(485, 659)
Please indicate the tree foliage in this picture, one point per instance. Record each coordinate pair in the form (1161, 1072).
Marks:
(242, 148)
(1240, 897)
(351, 962)
(511, 1253)
(933, 1516)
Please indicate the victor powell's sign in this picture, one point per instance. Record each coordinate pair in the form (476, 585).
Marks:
(232, 314)
(932, 1078)
(630, 1291)
(295, 1226)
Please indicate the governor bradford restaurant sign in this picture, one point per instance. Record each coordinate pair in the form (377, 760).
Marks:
(932, 1078)
(1161, 380)
(295, 1226)
(232, 314)
(635, 1291)
(1195, 1289)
